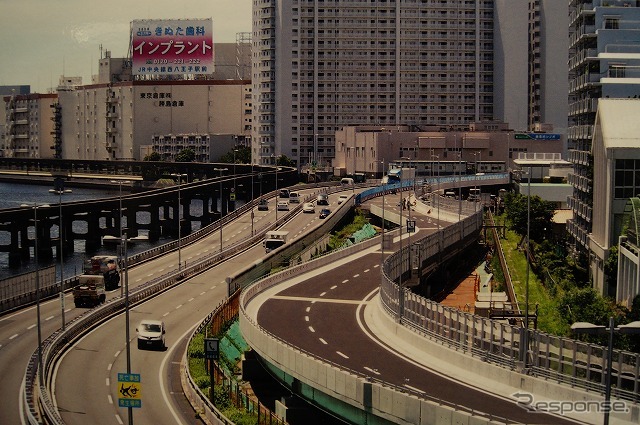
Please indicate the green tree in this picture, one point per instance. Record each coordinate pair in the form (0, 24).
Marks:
(611, 266)
(586, 305)
(153, 156)
(186, 155)
(284, 161)
(539, 211)
(242, 155)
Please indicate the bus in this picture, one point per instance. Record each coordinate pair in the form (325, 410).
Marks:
(474, 195)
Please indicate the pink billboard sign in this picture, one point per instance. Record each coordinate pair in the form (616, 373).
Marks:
(172, 47)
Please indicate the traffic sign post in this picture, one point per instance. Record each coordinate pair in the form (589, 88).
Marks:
(129, 390)
(211, 353)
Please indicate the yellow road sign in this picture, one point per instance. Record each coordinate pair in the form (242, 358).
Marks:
(129, 390)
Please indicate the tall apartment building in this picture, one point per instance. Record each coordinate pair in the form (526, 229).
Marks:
(321, 64)
(604, 62)
(28, 126)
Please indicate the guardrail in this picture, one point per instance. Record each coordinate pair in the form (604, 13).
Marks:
(561, 359)
(36, 394)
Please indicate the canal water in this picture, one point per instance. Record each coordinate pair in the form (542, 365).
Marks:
(12, 195)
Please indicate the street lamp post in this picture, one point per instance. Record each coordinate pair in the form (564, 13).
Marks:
(632, 328)
(179, 176)
(437, 158)
(120, 183)
(126, 311)
(35, 255)
(221, 200)
(60, 192)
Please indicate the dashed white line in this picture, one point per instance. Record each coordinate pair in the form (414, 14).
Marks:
(13, 336)
(110, 399)
(31, 327)
(366, 271)
(323, 294)
(213, 287)
(48, 318)
(308, 309)
(342, 354)
(306, 318)
(119, 420)
(166, 314)
(323, 341)
(150, 274)
(203, 292)
(178, 306)
(334, 286)
(372, 370)
(311, 329)
(356, 275)
(107, 381)
(377, 265)
(110, 366)
(67, 310)
(138, 280)
(191, 299)
(117, 353)
(345, 281)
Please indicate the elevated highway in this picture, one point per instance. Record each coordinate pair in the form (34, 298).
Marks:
(353, 339)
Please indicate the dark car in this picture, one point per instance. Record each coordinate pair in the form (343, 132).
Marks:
(324, 213)
(263, 205)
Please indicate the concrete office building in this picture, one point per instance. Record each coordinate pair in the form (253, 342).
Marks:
(604, 62)
(616, 179)
(121, 118)
(318, 66)
(487, 147)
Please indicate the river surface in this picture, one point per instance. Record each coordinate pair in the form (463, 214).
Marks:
(13, 195)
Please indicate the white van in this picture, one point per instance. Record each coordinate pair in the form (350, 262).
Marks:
(294, 198)
(347, 181)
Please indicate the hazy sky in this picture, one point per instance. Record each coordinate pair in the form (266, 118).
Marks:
(43, 39)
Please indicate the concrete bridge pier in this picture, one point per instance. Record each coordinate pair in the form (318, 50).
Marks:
(93, 237)
(186, 218)
(15, 257)
(132, 223)
(67, 235)
(165, 221)
(155, 227)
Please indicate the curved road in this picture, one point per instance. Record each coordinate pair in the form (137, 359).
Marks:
(92, 364)
(18, 330)
(324, 315)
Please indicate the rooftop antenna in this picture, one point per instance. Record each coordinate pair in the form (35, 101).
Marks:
(101, 51)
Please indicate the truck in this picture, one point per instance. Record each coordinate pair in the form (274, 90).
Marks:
(274, 239)
(397, 175)
(100, 274)
(107, 267)
(90, 291)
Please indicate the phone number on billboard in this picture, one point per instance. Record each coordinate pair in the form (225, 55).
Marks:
(166, 61)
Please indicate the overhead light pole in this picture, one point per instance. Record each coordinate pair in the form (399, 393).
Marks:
(632, 328)
(221, 200)
(60, 192)
(35, 255)
(121, 218)
(179, 210)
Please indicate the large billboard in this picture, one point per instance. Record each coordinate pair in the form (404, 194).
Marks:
(172, 47)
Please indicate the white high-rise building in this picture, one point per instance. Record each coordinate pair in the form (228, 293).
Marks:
(439, 64)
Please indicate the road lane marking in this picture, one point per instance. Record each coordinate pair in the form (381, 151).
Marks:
(178, 306)
(323, 341)
(191, 299)
(119, 420)
(356, 275)
(31, 327)
(342, 354)
(323, 294)
(110, 366)
(372, 370)
(377, 265)
(107, 381)
(110, 399)
(308, 309)
(49, 318)
(367, 271)
(202, 293)
(334, 287)
(311, 329)
(117, 353)
(306, 318)
(166, 314)
(345, 281)
(13, 336)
